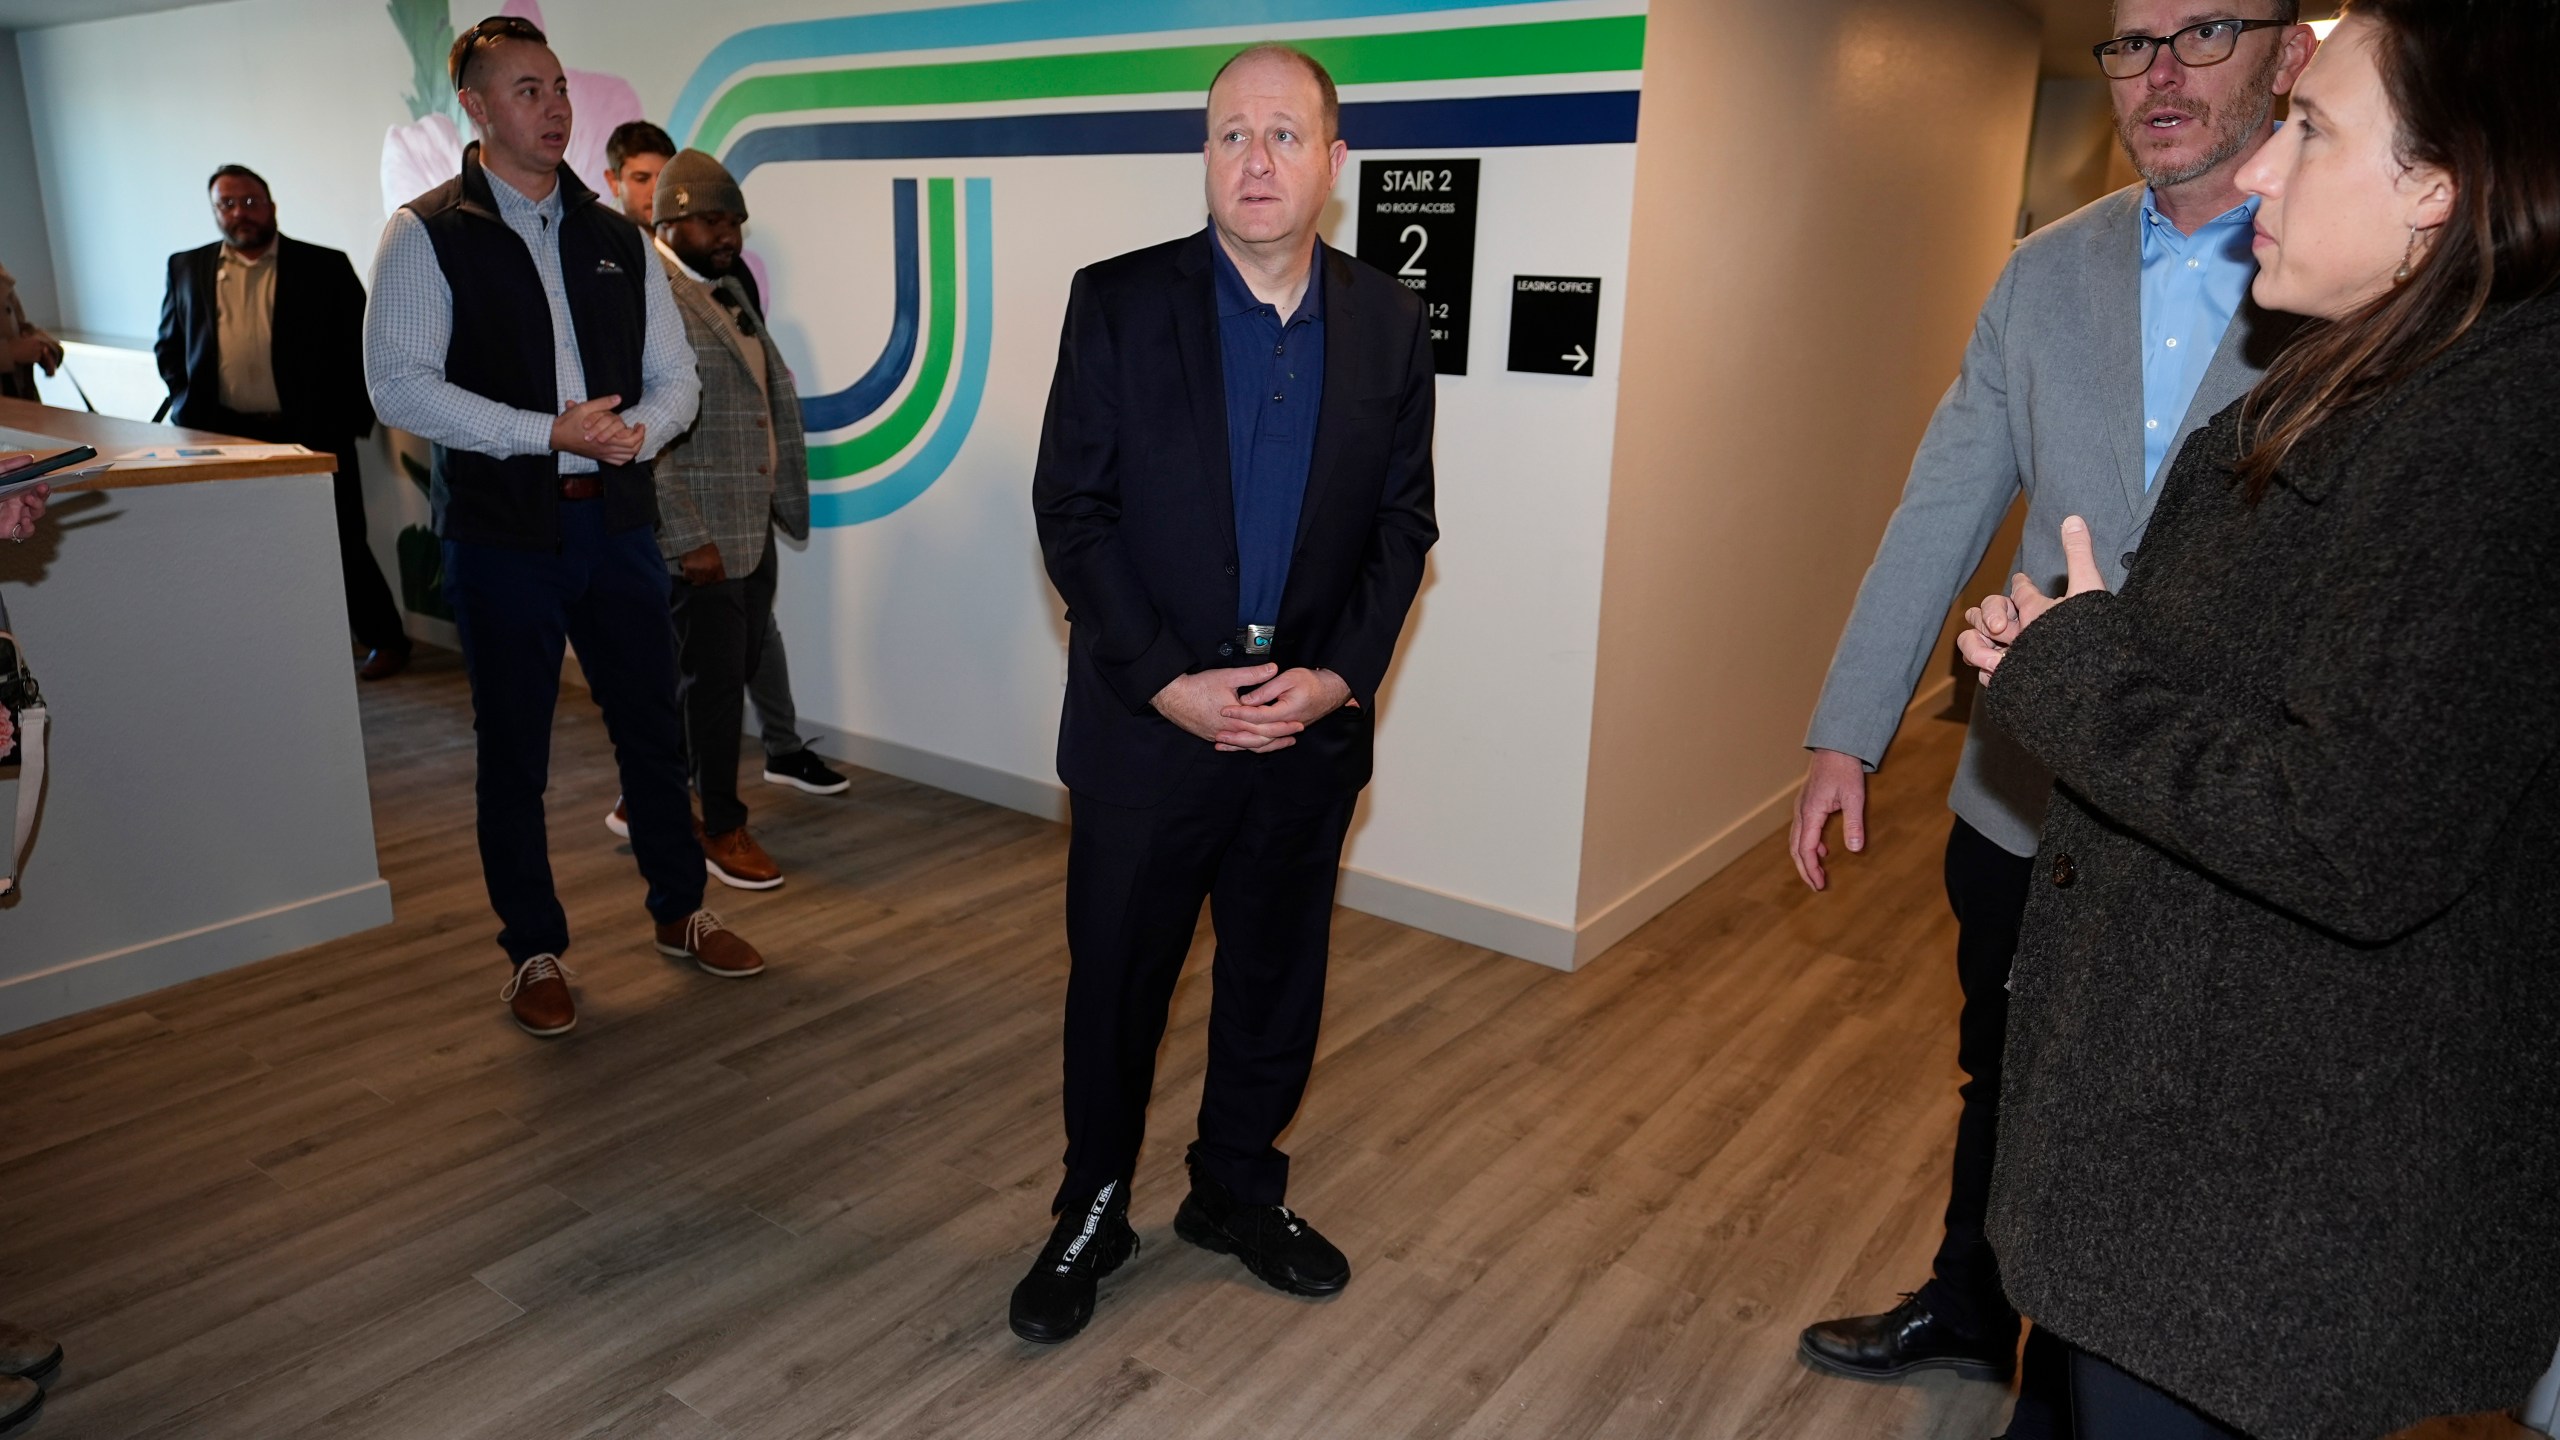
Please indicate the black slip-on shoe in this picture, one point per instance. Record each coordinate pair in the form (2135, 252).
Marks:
(1274, 1242)
(1905, 1338)
(1054, 1302)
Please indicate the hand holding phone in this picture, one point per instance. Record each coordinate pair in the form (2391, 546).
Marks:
(29, 470)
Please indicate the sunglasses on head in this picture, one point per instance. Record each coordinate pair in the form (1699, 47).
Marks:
(497, 29)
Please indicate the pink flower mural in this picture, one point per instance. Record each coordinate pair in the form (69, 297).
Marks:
(425, 153)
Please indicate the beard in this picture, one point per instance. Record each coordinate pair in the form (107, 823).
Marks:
(710, 263)
(2231, 129)
(245, 236)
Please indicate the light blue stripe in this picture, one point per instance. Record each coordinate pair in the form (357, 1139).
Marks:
(1009, 22)
(880, 497)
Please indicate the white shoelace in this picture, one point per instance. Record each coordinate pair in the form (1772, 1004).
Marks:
(697, 925)
(537, 970)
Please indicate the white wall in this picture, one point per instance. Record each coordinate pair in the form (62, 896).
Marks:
(24, 249)
(1821, 204)
(131, 115)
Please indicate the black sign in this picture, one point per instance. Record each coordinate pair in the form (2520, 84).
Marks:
(1555, 324)
(1418, 223)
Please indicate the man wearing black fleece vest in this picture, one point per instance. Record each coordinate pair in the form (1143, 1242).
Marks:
(527, 332)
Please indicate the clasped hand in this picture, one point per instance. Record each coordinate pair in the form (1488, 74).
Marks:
(1257, 708)
(590, 428)
(2000, 619)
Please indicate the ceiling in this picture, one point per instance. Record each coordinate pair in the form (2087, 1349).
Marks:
(29, 14)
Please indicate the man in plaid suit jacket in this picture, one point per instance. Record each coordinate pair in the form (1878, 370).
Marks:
(723, 486)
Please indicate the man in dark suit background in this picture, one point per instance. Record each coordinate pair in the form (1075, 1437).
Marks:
(262, 336)
(1234, 495)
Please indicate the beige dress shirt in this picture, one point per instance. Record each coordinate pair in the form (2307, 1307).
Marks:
(245, 304)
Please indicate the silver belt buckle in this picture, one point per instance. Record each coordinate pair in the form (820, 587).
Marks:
(1257, 640)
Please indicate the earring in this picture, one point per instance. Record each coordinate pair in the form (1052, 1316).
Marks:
(2407, 259)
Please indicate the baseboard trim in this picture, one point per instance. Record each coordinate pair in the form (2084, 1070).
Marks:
(1044, 798)
(1625, 915)
(105, 978)
(1472, 921)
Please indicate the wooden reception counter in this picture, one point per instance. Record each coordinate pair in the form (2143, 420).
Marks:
(206, 805)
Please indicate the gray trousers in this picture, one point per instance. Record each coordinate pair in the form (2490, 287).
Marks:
(769, 690)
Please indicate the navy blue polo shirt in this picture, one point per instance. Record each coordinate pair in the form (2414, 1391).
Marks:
(1275, 388)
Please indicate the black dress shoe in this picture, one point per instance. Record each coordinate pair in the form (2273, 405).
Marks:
(1272, 1241)
(1905, 1338)
(1055, 1300)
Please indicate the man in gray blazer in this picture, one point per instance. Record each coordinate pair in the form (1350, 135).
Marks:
(2109, 336)
(723, 487)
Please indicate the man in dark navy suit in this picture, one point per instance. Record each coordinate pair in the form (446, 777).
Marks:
(1234, 499)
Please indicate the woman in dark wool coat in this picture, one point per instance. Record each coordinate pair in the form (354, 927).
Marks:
(2280, 1147)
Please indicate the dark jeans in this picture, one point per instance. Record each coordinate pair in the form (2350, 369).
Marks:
(1987, 888)
(608, 595)
(1266, 862)
(720, 634)
(2111, 1404)
(371, 612)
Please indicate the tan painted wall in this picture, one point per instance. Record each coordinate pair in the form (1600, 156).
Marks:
(1825, 190)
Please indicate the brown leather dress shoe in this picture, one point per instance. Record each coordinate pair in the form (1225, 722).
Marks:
(24, 1352)
(714, 947)
(20, 1399)
(537, 995)
(737, 861)
(383, 664)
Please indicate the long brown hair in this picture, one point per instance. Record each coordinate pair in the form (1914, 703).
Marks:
(2471, 84)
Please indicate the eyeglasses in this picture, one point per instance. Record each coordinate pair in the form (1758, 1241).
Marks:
(229, 203)
(492, 31)
(2208, 42)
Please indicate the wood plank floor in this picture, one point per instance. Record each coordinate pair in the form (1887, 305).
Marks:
(337, 1194)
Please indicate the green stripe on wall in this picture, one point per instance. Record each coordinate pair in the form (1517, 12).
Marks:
(942, 310)
(1560, 47)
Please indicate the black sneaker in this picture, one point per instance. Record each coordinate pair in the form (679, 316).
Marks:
(803, 770)
(1055, 1301)
(1273, 1241)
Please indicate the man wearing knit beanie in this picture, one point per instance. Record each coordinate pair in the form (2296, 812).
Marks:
(723, 486)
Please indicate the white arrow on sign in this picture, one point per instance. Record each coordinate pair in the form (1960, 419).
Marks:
(1579, 356)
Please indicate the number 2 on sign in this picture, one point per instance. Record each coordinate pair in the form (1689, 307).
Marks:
(1421, 239)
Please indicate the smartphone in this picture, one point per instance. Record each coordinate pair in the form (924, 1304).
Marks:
(17, 480)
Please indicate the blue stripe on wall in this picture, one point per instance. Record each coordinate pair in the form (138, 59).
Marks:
(1010, 22)
(1597, 118)
(855, 402)
(828, 507)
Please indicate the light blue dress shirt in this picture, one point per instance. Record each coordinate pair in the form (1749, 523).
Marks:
(2191, 287)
